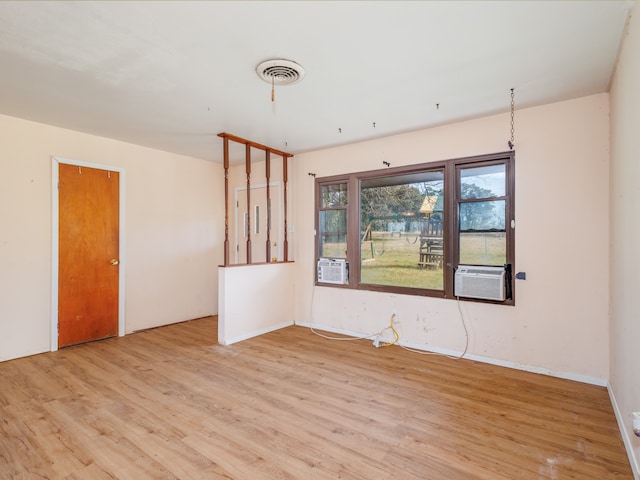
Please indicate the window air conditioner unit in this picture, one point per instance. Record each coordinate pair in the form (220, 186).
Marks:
(333, 270)
(480, 282)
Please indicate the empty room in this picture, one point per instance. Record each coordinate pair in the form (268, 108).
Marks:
(319, 239)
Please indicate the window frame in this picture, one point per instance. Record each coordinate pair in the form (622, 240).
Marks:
(452, 198)
(321, 208)
(462, 201)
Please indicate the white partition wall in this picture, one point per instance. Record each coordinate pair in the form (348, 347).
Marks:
(254, 299)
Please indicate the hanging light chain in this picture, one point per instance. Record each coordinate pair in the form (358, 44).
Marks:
(513, 106)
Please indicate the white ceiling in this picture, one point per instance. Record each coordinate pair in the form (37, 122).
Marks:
(172, 75)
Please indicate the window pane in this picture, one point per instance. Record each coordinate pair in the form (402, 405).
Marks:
(401, 230)
(482, 182)
(483, 248)
(333, 234)
(334, 195)
(482, 215)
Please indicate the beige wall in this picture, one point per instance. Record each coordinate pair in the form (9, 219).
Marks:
(173, 226)
(560, 322)
(625, 235)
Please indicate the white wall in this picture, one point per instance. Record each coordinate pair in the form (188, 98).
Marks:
(560, 322)
(625, 235)
(174, 231)
(254, 299)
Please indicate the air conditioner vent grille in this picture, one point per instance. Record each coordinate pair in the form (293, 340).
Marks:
(482, 282)
(481, 271)
(333, 271)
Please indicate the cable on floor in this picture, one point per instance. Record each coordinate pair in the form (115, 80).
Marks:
(340, 339)
(396, 334)
(345, 339)
(466, 343)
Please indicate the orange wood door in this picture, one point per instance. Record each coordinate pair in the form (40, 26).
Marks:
(88, 260)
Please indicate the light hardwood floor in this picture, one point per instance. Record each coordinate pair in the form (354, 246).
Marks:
(171, 403)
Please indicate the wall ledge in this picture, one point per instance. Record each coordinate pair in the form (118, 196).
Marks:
(235, 265)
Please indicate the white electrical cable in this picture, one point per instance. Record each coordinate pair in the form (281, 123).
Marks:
(342, 339)
(373, 335)
(466, 343)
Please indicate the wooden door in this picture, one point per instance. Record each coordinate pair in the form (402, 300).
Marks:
(88, 261)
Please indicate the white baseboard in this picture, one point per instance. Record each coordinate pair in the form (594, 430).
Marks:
(255, 333)
(625, 434)
(478, 358)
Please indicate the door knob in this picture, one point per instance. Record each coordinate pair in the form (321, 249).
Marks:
(114, 261)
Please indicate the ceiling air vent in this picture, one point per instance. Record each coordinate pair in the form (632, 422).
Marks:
(280, 72)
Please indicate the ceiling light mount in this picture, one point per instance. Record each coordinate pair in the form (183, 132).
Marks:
(280, 72)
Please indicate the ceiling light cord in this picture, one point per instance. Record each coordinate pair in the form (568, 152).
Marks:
(513, 109)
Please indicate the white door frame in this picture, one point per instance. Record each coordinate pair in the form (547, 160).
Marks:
(55, 227)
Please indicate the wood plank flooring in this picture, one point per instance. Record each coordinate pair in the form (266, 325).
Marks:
(171, 403)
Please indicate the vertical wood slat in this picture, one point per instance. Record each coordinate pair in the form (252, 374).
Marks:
(249, 144)
(267, 161)
(226, 200)
(284, 181)
(248, 168)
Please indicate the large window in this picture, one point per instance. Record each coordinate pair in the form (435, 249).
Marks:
(399, 216)
(407, 229)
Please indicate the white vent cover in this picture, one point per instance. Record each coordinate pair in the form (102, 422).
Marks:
(280, 72)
